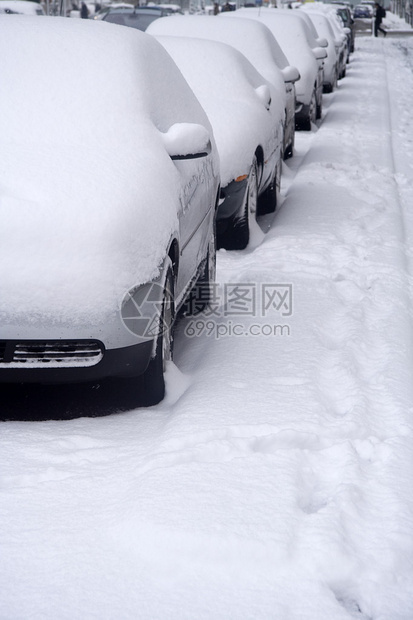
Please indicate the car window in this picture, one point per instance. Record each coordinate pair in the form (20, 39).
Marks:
(132, 20)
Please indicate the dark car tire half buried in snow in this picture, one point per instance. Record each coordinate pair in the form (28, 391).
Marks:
(241, 230)
(312, 113)
(150, 387)
(269, 199)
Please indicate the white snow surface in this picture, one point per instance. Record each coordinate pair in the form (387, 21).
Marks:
(276, 479)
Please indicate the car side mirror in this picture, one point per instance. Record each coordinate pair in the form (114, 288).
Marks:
(187, 141)
(290, 74)
(322, 42)
(264, 95)
(319, 53)
(346, 30)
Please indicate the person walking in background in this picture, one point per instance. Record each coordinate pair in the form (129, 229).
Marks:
(84, 11)
(378, 18)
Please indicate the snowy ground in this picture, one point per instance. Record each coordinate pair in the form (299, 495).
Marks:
(276, 480)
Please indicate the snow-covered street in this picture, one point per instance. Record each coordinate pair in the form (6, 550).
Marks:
(275, 482)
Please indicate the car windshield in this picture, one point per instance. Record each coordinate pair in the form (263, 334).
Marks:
(344, 15)
(132, 19)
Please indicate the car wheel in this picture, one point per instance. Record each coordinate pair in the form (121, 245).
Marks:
(268, 201)
(152, 382)
(319, 108)
(306, 124)
(240, 234)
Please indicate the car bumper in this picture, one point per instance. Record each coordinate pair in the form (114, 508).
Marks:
(123, 362)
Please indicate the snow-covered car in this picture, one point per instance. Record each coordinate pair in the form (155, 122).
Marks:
(303, 52)
(258, 46)
(331, 63)
(341, 33)
(21, 7)
(344, 12)
(109, 185)
(235, 97)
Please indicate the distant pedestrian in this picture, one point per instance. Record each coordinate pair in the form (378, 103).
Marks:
(216, 8)
(378, 18)
(84, 11)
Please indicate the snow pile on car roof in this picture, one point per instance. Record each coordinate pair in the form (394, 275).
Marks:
(252, 39)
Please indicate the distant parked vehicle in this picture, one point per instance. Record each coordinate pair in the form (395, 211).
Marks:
(303, 51)
(362, 11)
(342, 42)
(331, 63)
(243, 110)
(344, 12)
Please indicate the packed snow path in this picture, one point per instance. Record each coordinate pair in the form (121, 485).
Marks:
(276, 480)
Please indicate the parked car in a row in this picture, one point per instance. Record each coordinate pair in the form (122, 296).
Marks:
(250, 175)
(303, 51)
(107, 214)
(178, 148)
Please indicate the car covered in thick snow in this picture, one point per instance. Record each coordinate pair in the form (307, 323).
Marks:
(109, 182)
(242, 109)
(258, 46)
(341, 33)
(332, 62)
(303, 51)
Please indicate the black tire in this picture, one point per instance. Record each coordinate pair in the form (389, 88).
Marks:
(151, 384)
(319, 108)
(240, 231)
(268, 201)
(306, 124)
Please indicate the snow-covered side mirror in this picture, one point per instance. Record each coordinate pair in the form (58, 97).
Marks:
(322, 42)
(319, 53)
(264, 95)
(346, 30)
(187, 141)
(290, 74)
